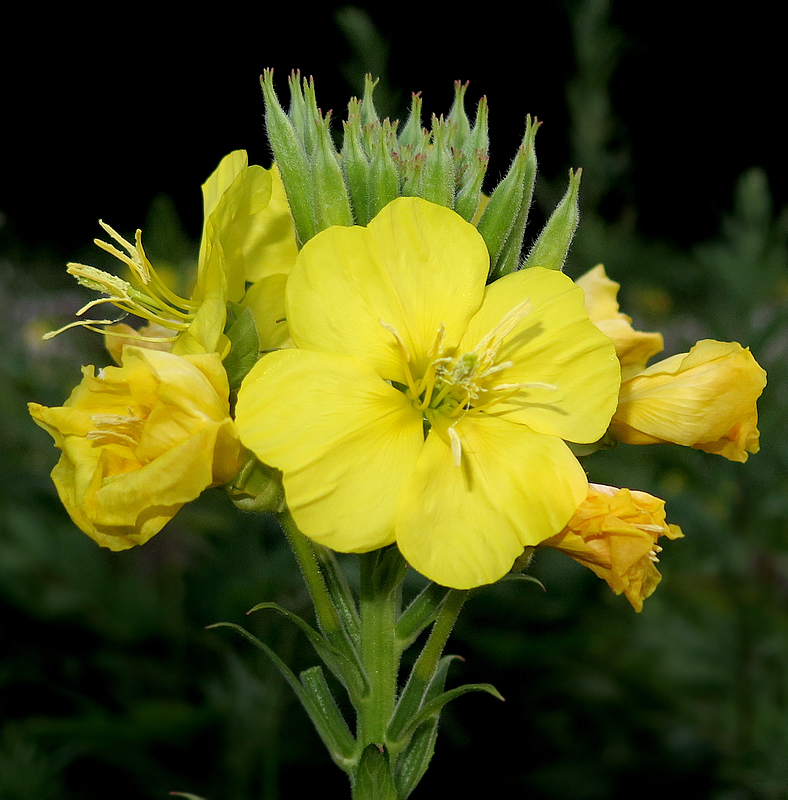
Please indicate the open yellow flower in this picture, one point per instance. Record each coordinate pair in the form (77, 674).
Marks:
(247, 237)
(421, 406)
(614, 533)
(704, 399)
(139, 441)
(633, 348)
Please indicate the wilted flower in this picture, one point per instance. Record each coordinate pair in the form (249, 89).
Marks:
(247, 237)
(423, 408)
(139, 441)
(614, 532)
(704, 399)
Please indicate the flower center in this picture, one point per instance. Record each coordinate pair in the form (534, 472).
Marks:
(453, 385)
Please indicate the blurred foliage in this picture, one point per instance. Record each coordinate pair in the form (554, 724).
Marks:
(110, 686)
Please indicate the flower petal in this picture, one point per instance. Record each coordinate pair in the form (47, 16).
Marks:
(555, 344)
(344, 439)
(415, 267)
(705, 399)
(633, 348)
(465, 526)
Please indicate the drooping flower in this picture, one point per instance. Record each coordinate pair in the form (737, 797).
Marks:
(614, 532)
(139, 441)
(247, 237)
(633, 348)
(421, 406)
(704, 399)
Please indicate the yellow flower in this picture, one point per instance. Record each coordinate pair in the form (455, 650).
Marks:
(614, 533)
(704, 399)
(421, 406)
(139, 441)
(247, 237)
(633, 348)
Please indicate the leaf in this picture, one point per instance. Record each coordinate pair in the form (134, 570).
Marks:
(349, 674)
(336, 748)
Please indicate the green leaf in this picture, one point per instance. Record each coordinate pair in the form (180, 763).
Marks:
(335, 747)
(346, 671)
(435, 705)
(412, 763)
(422, 612)
(331, 720)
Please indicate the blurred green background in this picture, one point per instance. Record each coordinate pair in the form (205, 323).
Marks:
(110, 686)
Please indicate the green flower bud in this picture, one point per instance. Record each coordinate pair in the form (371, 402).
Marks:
(291, 159)
(552, 246)
(257, 487)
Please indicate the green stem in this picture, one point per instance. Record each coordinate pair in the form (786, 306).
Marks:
(325, 610)
(380, 653)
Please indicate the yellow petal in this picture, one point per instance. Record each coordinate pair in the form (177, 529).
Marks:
(416, 267)
(555, 345)
(272, 249)
(344, 439)
(633, 348)
(266, 300)
(705, 399)
(463, 526)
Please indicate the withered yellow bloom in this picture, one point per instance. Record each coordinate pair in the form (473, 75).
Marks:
(422, 407)
(614, 532)
(139, 441)
(704, 399)
(633, 348)
(247, 237)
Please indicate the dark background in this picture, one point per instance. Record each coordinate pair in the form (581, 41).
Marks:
(110, 686)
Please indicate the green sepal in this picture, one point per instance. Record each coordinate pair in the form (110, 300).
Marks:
(373, 779)
(244, 344)
(291, 159)
(347, 671)
(333, 723)
(312, 708)
(257, 487)
(551, 248)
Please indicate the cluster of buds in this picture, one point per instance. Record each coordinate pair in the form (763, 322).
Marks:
(379, 161)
